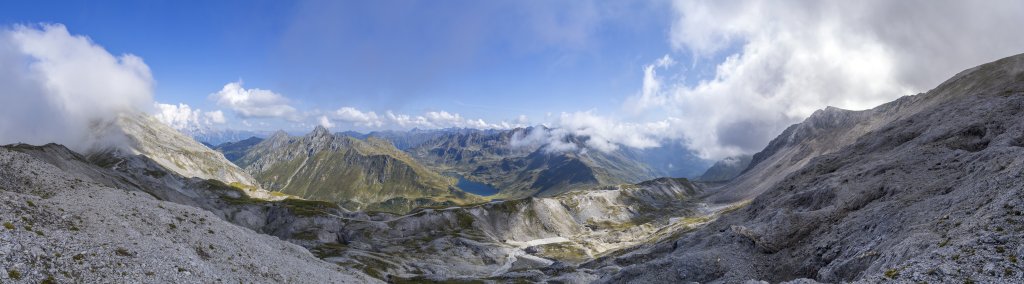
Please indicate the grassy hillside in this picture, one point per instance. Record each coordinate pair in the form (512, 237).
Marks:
(357, 174)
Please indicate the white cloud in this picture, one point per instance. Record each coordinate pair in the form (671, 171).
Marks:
(216, 117)
(325, 122)
(58, 86)
(522, 119)
(359, 118)
(795, 57)
(605, 135)
(665, 61)
(651, 89)
(444, 118)
(254, 103)
(601, 133)
(428, 120)
(183, 117)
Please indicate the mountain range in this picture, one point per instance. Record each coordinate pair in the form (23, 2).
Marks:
(529, 169)
(926, 188)
(366, 174)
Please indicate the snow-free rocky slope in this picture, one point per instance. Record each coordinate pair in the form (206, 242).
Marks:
(927, 188)
(499, 240)
(66, 225)
(175, 151)
(366, 174)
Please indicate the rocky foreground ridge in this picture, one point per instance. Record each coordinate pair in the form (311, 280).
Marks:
(927, 188)
(67, 225)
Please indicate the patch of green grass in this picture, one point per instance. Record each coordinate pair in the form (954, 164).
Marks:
(243, 200)
(9, 226)
(944, 243)
(328, 250)
(78, 257)
(30, 204)
(14, 274)
(308, 208)
(465, 220)
(892, 273)
(564, 252)
(278, 194)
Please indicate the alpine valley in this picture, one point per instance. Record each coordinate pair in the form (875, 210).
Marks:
(923, 189)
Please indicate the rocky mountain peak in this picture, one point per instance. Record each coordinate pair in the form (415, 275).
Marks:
(278, 135)
(176, 151)
(320, 131)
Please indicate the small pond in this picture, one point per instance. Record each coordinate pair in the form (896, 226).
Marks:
(473, 187)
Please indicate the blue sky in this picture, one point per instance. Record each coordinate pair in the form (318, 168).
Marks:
(720, 77)
(494, 60)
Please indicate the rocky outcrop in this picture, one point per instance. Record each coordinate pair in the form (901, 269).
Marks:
(499, 239)
(923, 189)
(66, 225)
(173, 150)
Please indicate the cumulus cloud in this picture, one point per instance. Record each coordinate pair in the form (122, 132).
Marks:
(325, 122)
(183, 117)
(254, 103)
(357, 117)
(215, 117)
(598, 132)
(785, 59)
(58, 87)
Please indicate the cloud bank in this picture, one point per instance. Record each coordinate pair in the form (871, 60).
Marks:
(428, 120)
(183, 117)
(57, 86)
(785, 59)
(254, 103)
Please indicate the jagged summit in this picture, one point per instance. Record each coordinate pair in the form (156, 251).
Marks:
(280, 134)
(926, 188)
(319, 131)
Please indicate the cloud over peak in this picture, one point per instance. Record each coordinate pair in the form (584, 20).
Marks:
(785, 59)
(183, 117)
(59, 85)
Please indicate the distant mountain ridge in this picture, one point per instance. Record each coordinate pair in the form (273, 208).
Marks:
(726, 169)
(523, 169)
(234, 151)
(366, 174)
